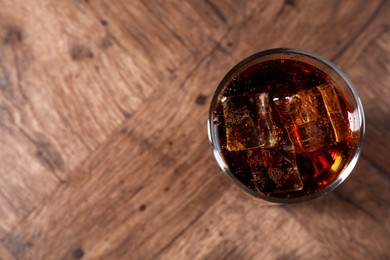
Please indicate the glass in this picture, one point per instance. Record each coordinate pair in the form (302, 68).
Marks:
(286, 125)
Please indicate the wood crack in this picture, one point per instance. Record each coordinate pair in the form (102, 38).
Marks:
(216, 10)
(46, 159)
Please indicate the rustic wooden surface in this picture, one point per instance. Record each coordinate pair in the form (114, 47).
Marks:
(103, 143)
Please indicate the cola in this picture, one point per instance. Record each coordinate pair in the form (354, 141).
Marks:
(283, 128)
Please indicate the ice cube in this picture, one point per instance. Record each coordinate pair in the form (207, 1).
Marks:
(313, 118)
(241, 131)
(309, 122)
(265, 121)
(303, 107)
(331, 102)
(275, 170)
(260, 179)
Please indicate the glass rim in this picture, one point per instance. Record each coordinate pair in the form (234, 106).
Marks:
(346, 171)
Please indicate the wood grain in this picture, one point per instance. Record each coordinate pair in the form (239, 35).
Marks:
(103, 144)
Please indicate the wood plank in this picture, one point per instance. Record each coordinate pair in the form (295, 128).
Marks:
(113, 192)
(325, 28)
(64, 90)
(25, 160)
(240, 227)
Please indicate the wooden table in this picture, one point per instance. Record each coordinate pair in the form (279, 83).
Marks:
(103, 144)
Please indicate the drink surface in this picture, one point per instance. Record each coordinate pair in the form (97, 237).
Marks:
(283, 128)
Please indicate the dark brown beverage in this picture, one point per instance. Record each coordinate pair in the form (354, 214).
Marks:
(283, 128)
